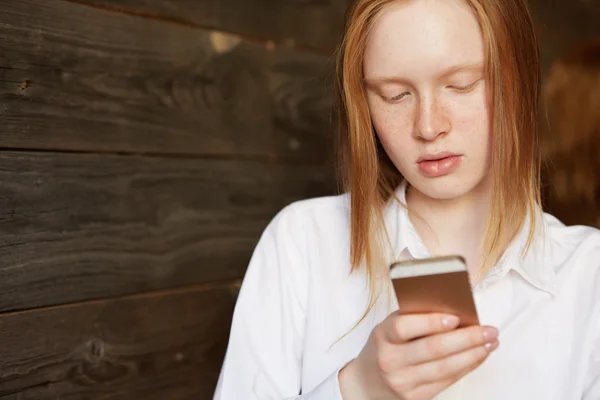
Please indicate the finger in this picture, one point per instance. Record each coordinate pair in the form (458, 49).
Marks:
(403, 328)
(456, 365)
(445, 344)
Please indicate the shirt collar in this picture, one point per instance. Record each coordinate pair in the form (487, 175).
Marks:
(534, 266)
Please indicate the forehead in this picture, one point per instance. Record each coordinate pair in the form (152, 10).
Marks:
(414, 38)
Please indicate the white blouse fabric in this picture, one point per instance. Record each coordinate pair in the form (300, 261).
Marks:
(298, 298)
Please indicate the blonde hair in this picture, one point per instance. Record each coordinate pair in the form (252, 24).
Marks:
(572, 94)
(512, 70)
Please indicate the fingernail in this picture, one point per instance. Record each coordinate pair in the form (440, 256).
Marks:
(489, 347)
(490, 334)
(450, 321)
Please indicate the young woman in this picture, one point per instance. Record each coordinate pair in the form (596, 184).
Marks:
(438, 103)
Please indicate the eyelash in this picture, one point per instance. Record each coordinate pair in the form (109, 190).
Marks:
(461, 89)
(465, 89)
(399, 97)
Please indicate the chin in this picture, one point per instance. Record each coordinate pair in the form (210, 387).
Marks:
(448, 187)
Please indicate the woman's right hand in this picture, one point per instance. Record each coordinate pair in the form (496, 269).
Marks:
(415, 357)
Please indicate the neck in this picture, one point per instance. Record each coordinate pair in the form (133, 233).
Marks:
(452, 227)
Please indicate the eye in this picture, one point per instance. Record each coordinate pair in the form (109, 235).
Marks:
(399, 97)
(465, 89)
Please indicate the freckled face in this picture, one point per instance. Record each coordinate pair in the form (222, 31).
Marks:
(426, 91)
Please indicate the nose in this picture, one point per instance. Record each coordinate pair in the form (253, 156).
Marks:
(432, 119)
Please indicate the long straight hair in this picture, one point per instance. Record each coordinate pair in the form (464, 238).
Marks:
(513, 85)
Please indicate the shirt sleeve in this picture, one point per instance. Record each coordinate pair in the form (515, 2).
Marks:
(264, 355)
(592, 385)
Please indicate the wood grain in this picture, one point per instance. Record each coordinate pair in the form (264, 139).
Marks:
(79, 78)
(562, 25)
(154, 347)
(76, 227)
(315, 24)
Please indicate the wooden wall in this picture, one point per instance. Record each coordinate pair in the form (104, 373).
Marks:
(562, 26)
(145, 144)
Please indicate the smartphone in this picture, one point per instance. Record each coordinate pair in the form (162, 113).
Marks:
(439, 284)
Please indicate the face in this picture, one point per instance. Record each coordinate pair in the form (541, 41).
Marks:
(424, 79)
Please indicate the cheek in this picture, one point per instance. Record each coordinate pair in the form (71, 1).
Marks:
(477, 136)
(474, 123)
(391, 125)
(473, 111)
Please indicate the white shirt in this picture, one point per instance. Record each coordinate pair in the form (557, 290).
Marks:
(298, 298)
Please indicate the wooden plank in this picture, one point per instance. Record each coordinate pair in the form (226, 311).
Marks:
(73, 77)
(562, 25)
(315, 24)
(76, 227)
(154, 347)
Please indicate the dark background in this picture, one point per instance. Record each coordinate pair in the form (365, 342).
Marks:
(144, 146)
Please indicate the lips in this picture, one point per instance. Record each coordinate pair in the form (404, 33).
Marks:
(439, 164)
(437, 156)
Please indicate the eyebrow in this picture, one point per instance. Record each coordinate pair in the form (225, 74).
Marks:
(374, 81)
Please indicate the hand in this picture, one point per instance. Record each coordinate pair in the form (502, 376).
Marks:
(415, 357)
